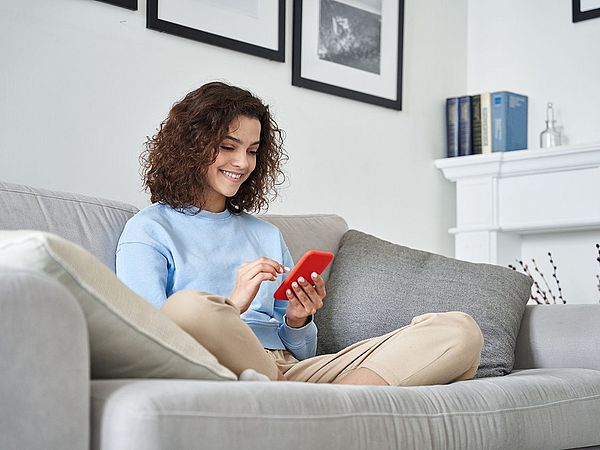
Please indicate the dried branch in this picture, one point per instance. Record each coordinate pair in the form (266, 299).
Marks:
(598, 259)
(555, 276)
(543, 294)
(536, 285)
(537, 290)
(541, 274)
(531, 297)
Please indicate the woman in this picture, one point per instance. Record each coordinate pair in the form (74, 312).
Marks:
(215, 158)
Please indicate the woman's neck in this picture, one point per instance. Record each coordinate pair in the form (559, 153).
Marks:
(215, 205)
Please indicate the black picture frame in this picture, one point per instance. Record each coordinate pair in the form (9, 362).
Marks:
(579, 15)
(129, 4)
(155, 23)
(329, 86)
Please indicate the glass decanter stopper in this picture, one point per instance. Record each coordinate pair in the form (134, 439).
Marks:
(550, 137)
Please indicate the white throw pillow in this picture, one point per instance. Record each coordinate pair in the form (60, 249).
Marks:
(128, 337)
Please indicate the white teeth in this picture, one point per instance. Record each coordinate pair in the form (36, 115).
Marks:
(235, 176)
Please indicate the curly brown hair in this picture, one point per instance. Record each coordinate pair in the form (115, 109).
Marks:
(176, 159)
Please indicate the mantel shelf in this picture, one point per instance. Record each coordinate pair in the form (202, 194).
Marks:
(535, 227)
(521, 162)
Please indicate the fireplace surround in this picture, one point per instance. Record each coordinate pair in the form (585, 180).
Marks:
(523, 204)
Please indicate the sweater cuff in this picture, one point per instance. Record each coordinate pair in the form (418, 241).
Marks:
(296, 337)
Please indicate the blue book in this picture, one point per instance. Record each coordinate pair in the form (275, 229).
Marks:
(509, 121)
(465, 131)
(452, 126)
(476, 123)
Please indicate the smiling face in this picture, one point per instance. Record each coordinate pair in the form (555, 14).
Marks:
(234, 164)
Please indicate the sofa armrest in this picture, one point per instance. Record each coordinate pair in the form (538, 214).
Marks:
(45, 387)
(559, 336)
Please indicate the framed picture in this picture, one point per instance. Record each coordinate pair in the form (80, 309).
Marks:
(585, 9)
(129, 4)
(350, 48)
(256, 27)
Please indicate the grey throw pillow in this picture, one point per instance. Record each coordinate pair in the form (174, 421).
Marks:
(376, 287)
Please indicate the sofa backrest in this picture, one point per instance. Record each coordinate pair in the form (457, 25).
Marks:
(310, 232)
(96, 223)
(91, 222)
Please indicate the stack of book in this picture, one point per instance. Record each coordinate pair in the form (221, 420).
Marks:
(486, 123)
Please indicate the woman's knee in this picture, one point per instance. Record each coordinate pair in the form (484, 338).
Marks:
(467, 336)
(456, 328)
(188, 306)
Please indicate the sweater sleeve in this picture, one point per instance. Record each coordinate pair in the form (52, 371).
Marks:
(144, 270)
(301, 342)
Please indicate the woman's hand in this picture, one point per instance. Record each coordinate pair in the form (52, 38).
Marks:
(250, 276)
(305, 299)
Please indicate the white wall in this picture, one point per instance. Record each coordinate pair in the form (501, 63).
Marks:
(82, 83)
(533, 48)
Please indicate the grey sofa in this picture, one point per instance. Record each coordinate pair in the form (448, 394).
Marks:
(48, 401)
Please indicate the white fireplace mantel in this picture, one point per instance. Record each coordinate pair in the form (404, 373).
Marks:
(523, 204)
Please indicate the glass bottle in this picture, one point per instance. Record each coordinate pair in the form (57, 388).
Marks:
(550, 137)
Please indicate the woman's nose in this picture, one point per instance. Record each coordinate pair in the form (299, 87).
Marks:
(240, 159)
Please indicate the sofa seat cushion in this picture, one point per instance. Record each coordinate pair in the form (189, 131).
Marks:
(128, 338)
(535, 408)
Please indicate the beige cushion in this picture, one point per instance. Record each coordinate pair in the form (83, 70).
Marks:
(128, 338)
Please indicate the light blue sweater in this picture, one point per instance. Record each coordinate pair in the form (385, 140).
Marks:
(162, 251)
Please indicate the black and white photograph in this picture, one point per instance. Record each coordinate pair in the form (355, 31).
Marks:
(255, 27)
(351, 36)
(350, 48)
(585, 9)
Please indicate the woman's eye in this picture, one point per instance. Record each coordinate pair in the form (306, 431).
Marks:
(226, 148)
(253, 152)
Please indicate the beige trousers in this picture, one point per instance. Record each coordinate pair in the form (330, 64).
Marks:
(436, 348)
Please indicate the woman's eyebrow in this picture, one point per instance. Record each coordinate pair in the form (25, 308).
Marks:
(238, 141)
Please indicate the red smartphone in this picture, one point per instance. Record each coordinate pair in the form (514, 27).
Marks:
(311, 261)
